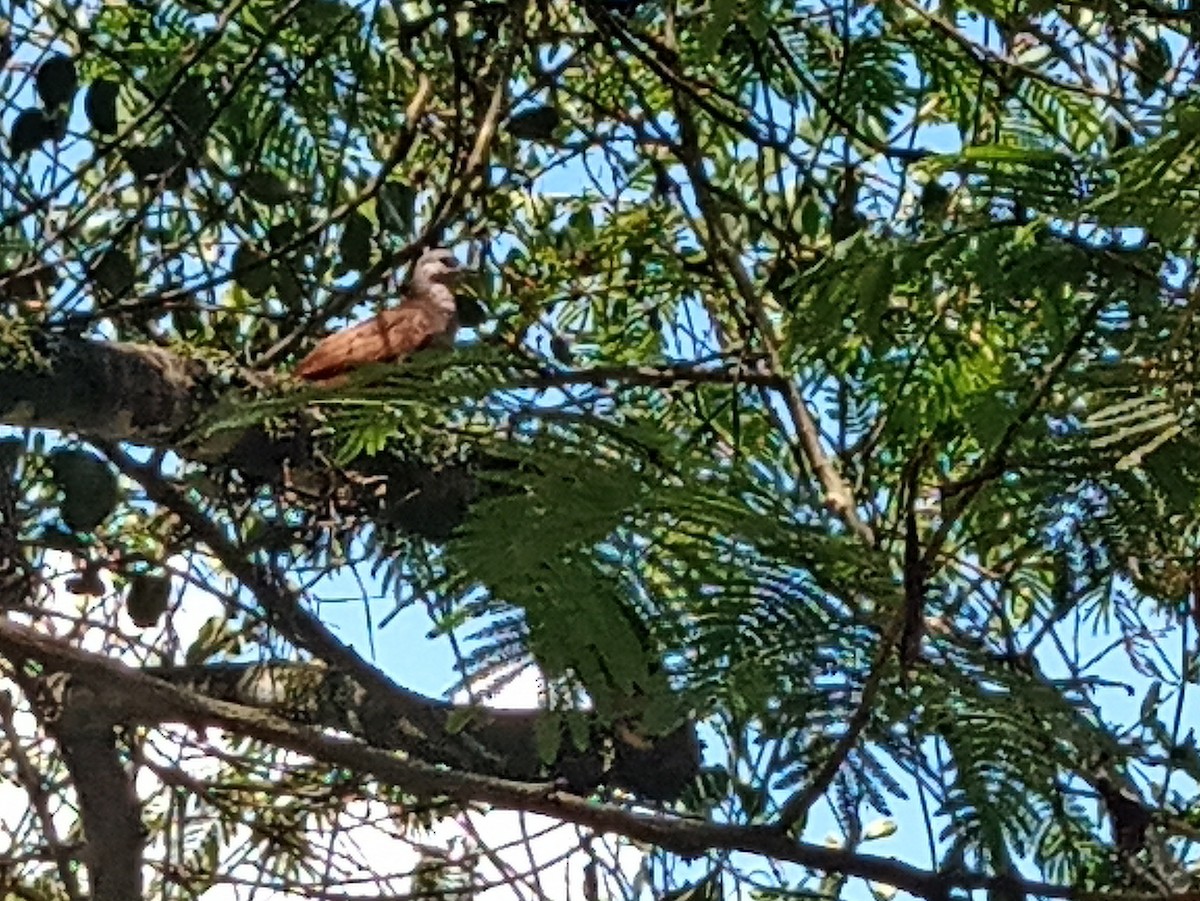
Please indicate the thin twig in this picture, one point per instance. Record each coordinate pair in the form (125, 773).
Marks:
(797, 806)
(653, 376)
(399, 150)
(839, 497)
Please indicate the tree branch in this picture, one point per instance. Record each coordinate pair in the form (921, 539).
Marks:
(839, 497)
(490, 741)
(148, 698)
(108, 804)
(145, 697)
(107, 390)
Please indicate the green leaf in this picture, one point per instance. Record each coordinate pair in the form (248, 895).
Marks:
(548, 734)
(460, 718)
(1009, 153)
(810, 217)
(875, 282)
(716, 26)
(215, 636)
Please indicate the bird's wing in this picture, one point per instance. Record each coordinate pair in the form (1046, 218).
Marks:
(389, 336)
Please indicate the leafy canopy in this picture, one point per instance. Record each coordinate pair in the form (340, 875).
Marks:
(829, 384)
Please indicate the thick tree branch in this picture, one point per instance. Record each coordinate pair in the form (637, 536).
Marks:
(108, 803)
(147, 698)
(107, 390)
(495, 742)
(142, 394)
(132, 393)
(391, 716)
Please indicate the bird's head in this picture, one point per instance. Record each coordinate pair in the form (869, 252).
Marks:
(437, 266)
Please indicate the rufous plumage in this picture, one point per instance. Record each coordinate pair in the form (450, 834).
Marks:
(427, 317)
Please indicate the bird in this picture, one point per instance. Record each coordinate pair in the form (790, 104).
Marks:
(427, 317)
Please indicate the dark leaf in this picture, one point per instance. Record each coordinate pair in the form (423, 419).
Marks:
(471, 313)
(266, 188)
(57, 81)
(89, 487)
(582, 224)
(288, 287)
(935, 200)
(1153, 63)
(100, 105)
(54, 537)
(114, 272)
(11, 451)
(536, 124)
(147, 599)
(396, 205)
(846, 218)
(252, 270)
(28, 283)
(151, 163)
(191, 107)
(87, 582)
(355, 245)
(281, 234)
(30, 130)
(58, 124)
(560, 348)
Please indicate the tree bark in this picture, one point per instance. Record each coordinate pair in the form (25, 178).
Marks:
(146, 395)
(109, 390)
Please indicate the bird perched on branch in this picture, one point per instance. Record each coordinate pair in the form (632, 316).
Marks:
(426, 317)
